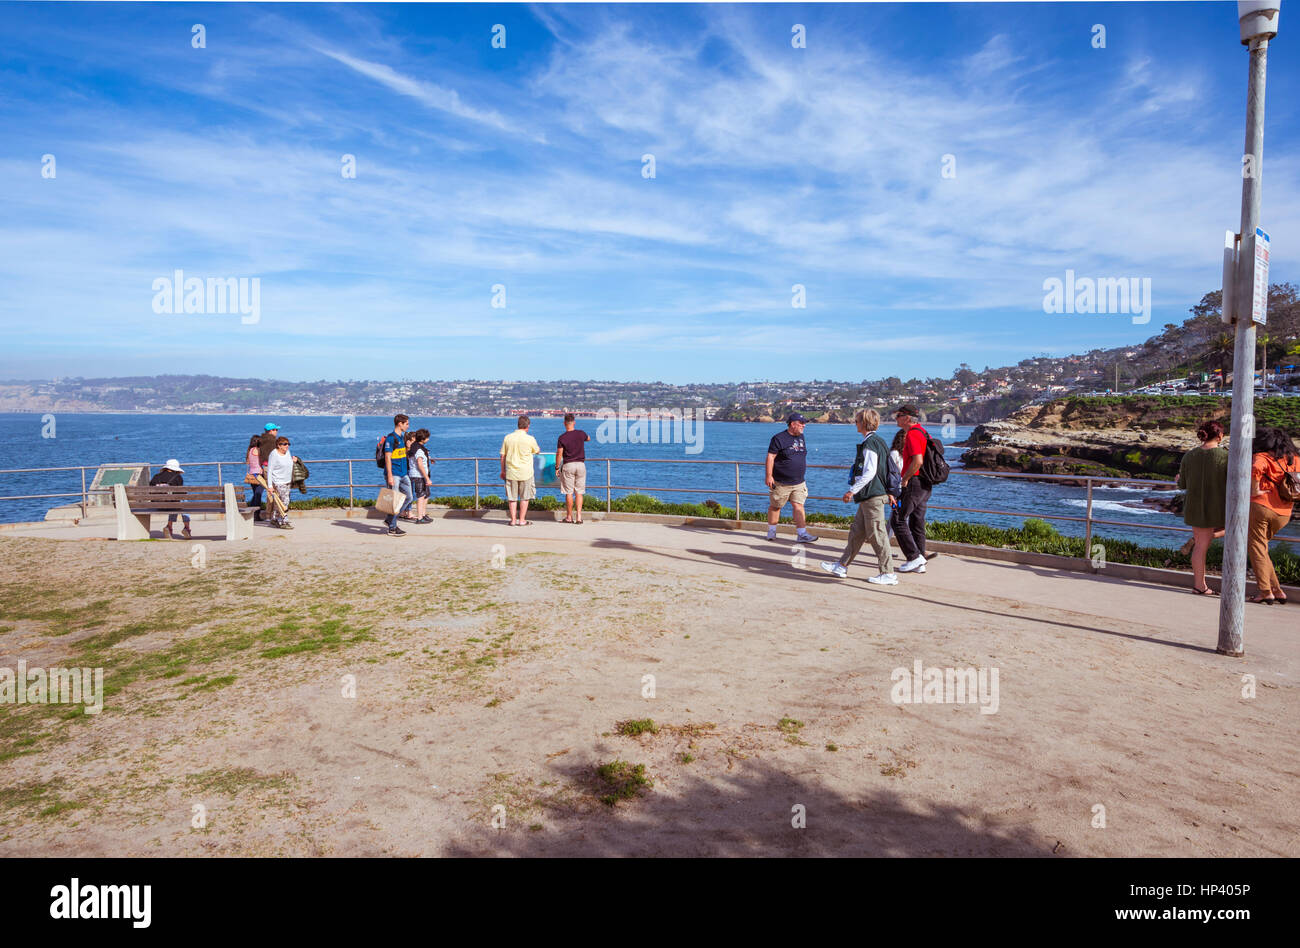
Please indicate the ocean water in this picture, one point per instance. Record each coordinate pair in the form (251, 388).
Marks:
(28, 441)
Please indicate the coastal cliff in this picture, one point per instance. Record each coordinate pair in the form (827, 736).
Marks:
(1142, 437)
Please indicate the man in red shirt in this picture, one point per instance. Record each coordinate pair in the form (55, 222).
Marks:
(909, 515)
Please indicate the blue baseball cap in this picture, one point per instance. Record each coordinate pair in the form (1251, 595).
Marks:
(272, 426)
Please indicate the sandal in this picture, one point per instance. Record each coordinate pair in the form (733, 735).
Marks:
(1264, 600)
(567, 520)
(1207, 591)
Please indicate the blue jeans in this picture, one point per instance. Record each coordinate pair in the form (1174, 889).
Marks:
(256, 500)
(403, 484)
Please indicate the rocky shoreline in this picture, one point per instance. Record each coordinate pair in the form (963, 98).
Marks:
(1057, 441)
(1006, 446)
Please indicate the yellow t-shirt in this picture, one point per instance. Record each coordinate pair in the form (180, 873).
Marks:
(518, 449)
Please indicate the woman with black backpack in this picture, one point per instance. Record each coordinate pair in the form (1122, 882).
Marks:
(1274, 488)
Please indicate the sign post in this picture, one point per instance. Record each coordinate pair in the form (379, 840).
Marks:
(1258, 21)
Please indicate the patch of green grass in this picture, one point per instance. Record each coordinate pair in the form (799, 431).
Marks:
(685, 757)
(48, 605)
(216, 683)
(637, 727)
(231, 783)
(623, 780)
(791, 728)
(327, 634)
(60, 806)
(832, 746)
(25, 798)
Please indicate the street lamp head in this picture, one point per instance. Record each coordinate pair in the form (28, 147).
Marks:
(1258, 19)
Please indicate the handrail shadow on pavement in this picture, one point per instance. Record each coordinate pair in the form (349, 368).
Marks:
(769, 567)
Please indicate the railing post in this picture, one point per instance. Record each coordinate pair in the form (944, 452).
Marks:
(351, 504)
(218, 473)
(1087, 525)
(737, 491)
(609, 480)
(476, 483)
(85, 501)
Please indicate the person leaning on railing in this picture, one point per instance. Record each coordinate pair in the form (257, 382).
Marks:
(1270, 508)
(1203, 474)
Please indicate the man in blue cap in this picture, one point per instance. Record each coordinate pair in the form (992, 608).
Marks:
(787, 459)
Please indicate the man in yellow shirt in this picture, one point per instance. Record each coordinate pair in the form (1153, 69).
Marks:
(517, 450)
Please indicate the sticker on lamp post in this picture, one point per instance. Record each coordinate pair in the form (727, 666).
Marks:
(1259, 301)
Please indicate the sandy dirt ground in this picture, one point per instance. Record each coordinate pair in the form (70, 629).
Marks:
(493, 667)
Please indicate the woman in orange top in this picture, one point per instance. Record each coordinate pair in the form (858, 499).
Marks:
(1275, 455)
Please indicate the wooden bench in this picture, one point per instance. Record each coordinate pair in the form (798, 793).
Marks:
(135, 505)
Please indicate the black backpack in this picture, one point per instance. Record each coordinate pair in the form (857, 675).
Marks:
(934, 469)
(379, 452)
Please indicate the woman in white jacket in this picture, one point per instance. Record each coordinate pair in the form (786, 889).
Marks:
(279, 476)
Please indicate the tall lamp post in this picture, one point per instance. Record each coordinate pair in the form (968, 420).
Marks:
(1258, 20)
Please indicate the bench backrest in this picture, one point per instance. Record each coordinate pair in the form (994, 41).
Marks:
(165, 495)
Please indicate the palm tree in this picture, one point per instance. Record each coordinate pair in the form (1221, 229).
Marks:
(1220, 351)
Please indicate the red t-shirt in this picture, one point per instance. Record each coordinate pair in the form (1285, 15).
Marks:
(915, 443)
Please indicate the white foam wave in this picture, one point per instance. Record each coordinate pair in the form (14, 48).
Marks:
(1112, 505)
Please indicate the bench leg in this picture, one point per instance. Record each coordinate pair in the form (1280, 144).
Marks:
(130, 526)
(239, 525)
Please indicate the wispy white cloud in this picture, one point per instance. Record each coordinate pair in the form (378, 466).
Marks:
(427, 93)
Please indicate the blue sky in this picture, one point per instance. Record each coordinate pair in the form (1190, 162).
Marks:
(522, 166)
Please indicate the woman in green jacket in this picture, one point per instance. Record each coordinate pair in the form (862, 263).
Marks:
(1203, 474)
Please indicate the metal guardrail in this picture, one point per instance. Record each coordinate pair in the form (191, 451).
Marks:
(1088, 520)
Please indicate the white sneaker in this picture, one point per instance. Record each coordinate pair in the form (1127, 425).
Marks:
(835, 569)
(884, 579)
(913, 566)
(805, 538)
(771, 534)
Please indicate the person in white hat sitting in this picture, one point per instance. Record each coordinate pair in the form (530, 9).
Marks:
(170, 476)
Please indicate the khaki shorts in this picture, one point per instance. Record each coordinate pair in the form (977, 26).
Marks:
(573, 478)
(520, 490)
(794, 493)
